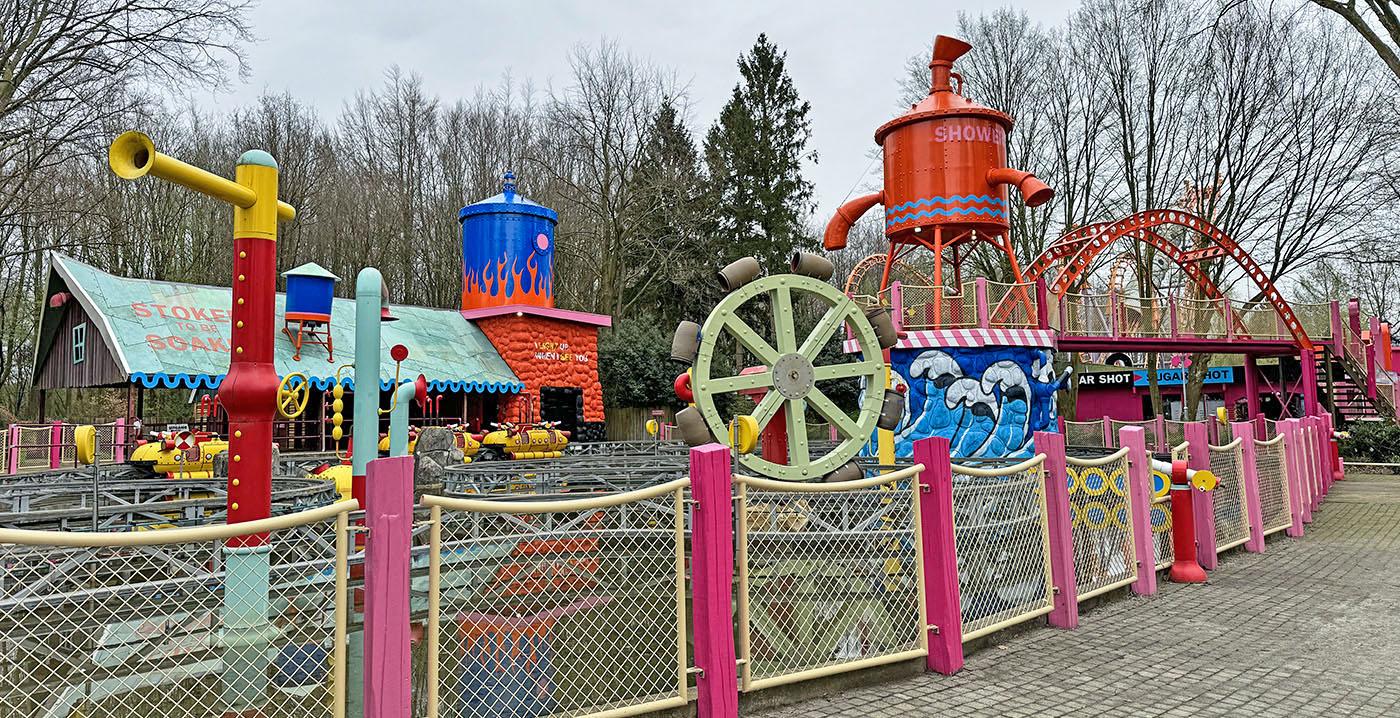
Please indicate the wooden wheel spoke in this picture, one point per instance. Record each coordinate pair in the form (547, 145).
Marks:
(785, 331)
(751, 340)
(767, 408)
(727, 384)
(823, 331)
(798, 451)
(832, 413)
(845, 371)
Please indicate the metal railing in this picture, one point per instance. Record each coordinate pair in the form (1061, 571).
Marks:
(1001, 532)
(1231, 508)
(1084, 433)
(1101, 521)
(1149, 430)
(1275, 513)
(150, 624)
(562, 608)
(830, 576)
(923, 307)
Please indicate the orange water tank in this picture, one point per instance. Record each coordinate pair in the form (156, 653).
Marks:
(945, 164)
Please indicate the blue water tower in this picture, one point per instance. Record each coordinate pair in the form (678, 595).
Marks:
(507, 251)
(310, 290)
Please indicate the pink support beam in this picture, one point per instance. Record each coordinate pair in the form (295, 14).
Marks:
(119, 442)
(12, 454)
(1108, 437)
(1140, 500)
(897, 305)
(1338, 471)
(1244, 430)
(1042, 307)
(945, 650)
(389, 516)
(1309, 382)
(1338, 336)
(712, 578)
(1251, 384)
(1162, 443)
(1202, 502)
(1066, 612)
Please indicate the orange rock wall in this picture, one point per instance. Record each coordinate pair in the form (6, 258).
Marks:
(548, 352)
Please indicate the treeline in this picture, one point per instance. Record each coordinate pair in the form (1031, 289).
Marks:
(1272, 120)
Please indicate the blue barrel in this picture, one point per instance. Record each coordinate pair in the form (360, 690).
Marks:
(507, 251)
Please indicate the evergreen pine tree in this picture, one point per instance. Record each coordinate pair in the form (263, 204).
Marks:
(754, 153)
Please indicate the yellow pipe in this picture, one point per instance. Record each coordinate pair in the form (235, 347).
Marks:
(133, 155)
(884, 441)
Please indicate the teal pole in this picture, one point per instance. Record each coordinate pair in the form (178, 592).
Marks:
(247, 634)
(369, 298)
(398, 419)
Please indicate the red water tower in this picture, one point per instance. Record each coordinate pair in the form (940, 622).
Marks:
(945, 174)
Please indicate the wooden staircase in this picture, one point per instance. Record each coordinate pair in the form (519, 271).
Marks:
(1341, 383)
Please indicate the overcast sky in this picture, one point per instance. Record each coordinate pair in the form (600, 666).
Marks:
(845, 57)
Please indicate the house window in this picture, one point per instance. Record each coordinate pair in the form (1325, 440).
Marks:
(80, 343)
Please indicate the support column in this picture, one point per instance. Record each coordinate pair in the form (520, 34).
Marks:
(1140, 504)
(1108, 437)
(1244, 430)
(1066, 613)
(1338, 336)
(1163, 446)
(56, 445)
(1202, 502)
(389, 515)
(1309, 379)
(984, 312)
(1042, 308)
(944, 629)
(712, 576)
(1251, 384)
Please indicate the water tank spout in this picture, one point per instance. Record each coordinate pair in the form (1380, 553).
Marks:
(1032, 189)
(846, 216)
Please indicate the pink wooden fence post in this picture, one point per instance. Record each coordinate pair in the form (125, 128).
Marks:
(1066, 613)
(56, 445)
(1202, 502)
(389, 516)
(1322, 456)
(1305, 429)
(1296, 500)
(945, 650)
(897, 305)
(1162, 443)
(1060, 423)
(1140, 500)
(712, 578)
(119, 441)
(1042, 308)
(1244, 431)
(1108, 437)
(12, 455)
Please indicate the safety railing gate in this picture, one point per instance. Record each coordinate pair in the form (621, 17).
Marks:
(1231, 507)
(167, 623)
(830, 576)
(559, 608)
(1101, 521)
(1001, 535)
(1275, 513)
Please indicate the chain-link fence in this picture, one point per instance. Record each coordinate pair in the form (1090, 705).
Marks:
(1315, 318)
(830, 576)
(1084, 433)
(1000, 529)
(1275, 512)
(1149, 430)
(560, 608)
(938, 307)
(34, 446)
(1176, 433)
(1200, 318)
(1101, 521)
(173, 622)
(1011, 306)
(1231, 508)
(1262, 321)
(1087, 315)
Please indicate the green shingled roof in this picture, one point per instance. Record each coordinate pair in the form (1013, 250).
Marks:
(171, 334)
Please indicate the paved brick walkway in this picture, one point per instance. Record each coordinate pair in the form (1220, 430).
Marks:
(1311, 627)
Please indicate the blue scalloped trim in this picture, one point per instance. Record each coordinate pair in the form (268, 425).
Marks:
(985, 199)
(195, 381)
(171, 381)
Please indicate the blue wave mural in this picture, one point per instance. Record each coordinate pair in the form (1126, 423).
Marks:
(987, 401)
(962, 211)
(957, 198)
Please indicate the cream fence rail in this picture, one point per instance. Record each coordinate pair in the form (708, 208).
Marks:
(560, 608)
(1001, 532)
(138, 625)
(1275, 513)
(1102, 523)
(830, 576)
(1231, 509)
